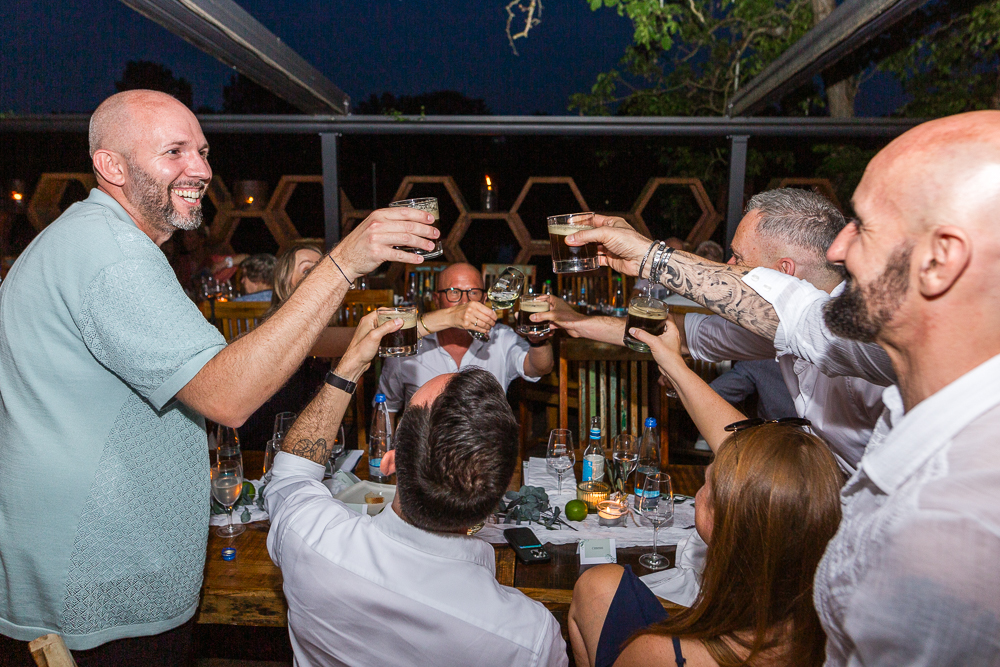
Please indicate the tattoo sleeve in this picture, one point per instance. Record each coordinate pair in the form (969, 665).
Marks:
(314, 450)
(720, 288)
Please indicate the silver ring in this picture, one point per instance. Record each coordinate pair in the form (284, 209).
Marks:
(477, 323)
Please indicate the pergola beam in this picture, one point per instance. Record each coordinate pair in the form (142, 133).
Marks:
(848, 27)
(222, 29)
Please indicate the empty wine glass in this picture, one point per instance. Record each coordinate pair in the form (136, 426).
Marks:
(502, 294)
(560, 457)
(626, 453)
(657, 505)
(227, 484)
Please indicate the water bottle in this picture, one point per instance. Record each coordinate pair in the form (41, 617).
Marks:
(593, 455)
(379, 440)
(649, 462)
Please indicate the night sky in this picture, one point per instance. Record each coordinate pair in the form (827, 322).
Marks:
(65, 56)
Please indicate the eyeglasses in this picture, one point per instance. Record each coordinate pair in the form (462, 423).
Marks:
(744, 424)
(454, 294)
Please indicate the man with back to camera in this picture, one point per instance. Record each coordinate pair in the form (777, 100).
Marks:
(107, 373)
(910, 577)
(257, 279)
(788, 230)
(505, 354)
(407, 586)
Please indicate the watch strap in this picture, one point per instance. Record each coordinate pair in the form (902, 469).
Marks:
(340, 383)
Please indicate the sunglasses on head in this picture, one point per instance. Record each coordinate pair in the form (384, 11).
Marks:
(744, 424)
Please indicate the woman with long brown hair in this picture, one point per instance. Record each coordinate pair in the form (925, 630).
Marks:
(770, 504)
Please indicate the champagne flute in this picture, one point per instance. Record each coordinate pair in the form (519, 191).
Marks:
(227, 484)
(504, 291)
(626, 453)
(560, 457)
(657, 505)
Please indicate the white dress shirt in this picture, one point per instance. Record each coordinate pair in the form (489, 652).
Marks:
(502, 355)
(911, 577)
(843, 410)
(376, 590)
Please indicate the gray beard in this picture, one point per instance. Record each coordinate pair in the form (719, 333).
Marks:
(860, 314)
(154, 204)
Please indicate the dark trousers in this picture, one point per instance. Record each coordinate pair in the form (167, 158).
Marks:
(169, 649)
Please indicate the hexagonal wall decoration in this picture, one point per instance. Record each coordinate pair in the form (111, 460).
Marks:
(44, 205)
(540, 246)
(462, 223)
(705, 225)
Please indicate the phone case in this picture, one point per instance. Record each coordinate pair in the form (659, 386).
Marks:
(526, 544)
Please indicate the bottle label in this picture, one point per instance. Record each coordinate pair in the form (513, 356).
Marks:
(374, 469)
(595, 462)
(588, 470)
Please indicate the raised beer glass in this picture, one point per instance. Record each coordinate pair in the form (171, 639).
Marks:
(429, 205)
(402, 343)
(502, 294)
(529, 305)
(648, 314)
(571, 259)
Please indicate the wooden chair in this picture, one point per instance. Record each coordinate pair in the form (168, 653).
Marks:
(51, 651)
(358, 303)
(234, 318)
(613, 382)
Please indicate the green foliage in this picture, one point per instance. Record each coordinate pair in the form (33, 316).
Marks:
(953, 66)
(688, 59)
(530, 503)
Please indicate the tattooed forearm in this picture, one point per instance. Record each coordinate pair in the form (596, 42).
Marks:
(314, 450)
(720, 288)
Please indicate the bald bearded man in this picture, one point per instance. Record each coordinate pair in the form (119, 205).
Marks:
(107, 372)
(910, 578)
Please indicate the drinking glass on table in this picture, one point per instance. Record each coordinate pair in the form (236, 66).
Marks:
(625, 452)
(227, 484)
(657, 505)
(227, 445)
(502, 294)
(560, 457)
(428, 205)
(571, 259)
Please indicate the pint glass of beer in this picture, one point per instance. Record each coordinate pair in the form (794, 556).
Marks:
(428, 205)
(571, 259)
(402, 343)
(648, 314)
(532, 303)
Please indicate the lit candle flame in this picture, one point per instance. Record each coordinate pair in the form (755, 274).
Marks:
(249, 200)
(489, 183)
(17, 196)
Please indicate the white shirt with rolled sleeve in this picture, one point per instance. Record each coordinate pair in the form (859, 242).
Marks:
(503, 356)
(843, 410)
(911, 577)
(376, 590)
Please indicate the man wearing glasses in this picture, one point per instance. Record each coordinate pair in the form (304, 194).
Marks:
(506, 355)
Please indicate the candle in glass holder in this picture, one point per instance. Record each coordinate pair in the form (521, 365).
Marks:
(592, 493)
(612, 512)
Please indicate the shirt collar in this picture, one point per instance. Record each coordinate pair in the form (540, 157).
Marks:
(930, 425)
(445, 545)
(104, 199)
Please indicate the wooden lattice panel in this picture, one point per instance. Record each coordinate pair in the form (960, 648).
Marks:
(703, 228)
(44, 205)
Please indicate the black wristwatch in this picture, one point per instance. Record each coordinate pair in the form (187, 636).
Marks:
(340, 383)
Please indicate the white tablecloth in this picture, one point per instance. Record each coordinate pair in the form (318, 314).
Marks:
(629, 535)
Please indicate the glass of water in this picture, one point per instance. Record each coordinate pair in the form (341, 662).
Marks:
(560, 457)
(657, 505)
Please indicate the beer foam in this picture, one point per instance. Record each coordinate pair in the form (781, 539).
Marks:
(566, 230)
(647, 312)
(409, 319)
(535, 306)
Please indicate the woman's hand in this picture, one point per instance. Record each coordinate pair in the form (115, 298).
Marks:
(364, 345)
(666, 348)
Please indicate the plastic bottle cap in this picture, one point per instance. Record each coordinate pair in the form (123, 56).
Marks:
(229, 553)
(380, 398)
(650, 421)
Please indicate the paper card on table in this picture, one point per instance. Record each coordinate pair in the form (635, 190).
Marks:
(596, 552)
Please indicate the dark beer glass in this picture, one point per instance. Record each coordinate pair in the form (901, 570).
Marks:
(529, 305)
(571, 259)
(402, 343)
(648, 314)
(428, 205)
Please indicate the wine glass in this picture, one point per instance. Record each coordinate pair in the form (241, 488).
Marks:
(626, 453)
(282, 424)
(227, 445)
(560, 457)
(502, 294)
(337, 450)
(227, 484)
(657, 505)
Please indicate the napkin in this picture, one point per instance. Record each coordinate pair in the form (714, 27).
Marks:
(681, 584)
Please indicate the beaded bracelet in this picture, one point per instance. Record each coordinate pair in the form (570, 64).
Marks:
(642, 264)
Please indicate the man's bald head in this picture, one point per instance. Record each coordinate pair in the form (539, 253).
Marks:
(118, 119)
(460, 273)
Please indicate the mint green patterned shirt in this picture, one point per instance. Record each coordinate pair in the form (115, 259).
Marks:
(104, 480)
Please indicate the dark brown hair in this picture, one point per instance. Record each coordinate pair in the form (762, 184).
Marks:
(283, 268)
(775, 498)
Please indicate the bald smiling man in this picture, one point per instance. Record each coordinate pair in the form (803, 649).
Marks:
(107, 372)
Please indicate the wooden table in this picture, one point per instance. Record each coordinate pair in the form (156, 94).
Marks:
(247, 590)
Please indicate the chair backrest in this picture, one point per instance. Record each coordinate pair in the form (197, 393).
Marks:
(612, 382)
(235, 318)
(596, 288)
(491, 271)
(358, 303)
(50, 651)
